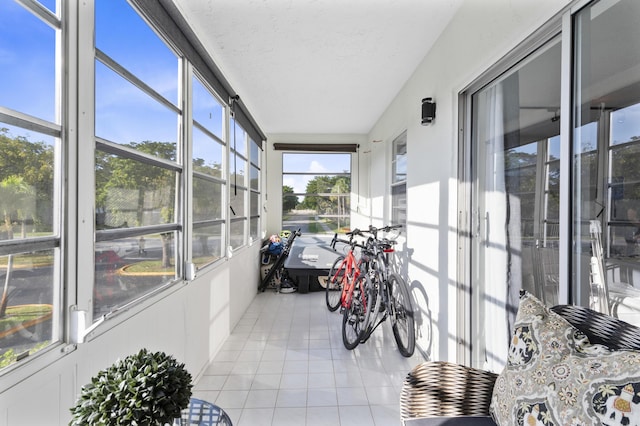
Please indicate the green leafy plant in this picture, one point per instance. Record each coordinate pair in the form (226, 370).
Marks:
(144, 389)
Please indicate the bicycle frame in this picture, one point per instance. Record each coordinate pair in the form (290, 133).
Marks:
(352, 272)
(380, 250)
(352, 268)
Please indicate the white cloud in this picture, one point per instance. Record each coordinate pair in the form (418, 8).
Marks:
(317, 167)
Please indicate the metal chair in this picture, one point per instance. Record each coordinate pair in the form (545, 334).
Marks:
(202, 413)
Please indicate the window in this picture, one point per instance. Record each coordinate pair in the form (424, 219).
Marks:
(149, 160)
(238, 164)
(316, 191)
(138, 171)
(31, 299)
(158, 185)
(399, 181)
(254, 185)
(606, 151)
(208, 173)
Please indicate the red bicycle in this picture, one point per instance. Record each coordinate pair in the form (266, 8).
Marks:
(343, 271)
(346, 289)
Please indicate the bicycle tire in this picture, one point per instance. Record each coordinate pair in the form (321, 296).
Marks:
(279, 261)
(403, 323)
(353, 315)
(374, 299)
(272, 271)
(335, 279)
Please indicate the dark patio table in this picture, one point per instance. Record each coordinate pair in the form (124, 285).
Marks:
(311, 256)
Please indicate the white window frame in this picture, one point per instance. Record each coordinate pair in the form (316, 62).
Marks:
(398, 184)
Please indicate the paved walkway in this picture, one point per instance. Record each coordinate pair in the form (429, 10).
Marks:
(302, 220)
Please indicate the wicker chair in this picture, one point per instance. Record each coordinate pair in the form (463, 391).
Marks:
(443, 389)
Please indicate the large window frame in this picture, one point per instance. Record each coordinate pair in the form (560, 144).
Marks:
(255, 190)
(238, 186)
(139, 184)
(325, 202)
(398, 188)
(77, 224)
(33, 229)
(209, 167)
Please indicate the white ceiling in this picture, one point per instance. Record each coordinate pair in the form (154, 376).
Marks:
(317, 66)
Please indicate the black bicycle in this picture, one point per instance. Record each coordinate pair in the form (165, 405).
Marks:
(387, 295)
(278, 264)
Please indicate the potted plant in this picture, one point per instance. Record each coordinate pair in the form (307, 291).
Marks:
(147, 388)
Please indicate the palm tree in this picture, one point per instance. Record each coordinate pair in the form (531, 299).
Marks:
(340, 187)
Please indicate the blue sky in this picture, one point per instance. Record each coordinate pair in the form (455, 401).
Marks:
(125, 37)
(27, 60)
(625, 124)
(123, 112)
(314, 163)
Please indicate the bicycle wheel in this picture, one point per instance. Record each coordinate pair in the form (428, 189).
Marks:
(374, 300)
(403, 324)
(335, 279)
(353, 315)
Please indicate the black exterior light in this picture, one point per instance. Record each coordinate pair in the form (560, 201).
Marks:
(428, 111)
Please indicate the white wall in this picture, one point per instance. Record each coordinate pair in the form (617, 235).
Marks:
(190, 323)
(480, 34)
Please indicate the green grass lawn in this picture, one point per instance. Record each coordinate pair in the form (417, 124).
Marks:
(149, 266)
(29, 260)
(23, 316)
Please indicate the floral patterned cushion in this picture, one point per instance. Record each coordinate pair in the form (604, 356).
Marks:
(555, 376)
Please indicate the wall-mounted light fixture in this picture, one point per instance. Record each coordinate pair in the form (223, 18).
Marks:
(428, 111)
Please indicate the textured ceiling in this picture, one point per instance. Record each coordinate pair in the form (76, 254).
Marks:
(317, 66)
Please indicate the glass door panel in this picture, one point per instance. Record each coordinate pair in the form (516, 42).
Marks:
(515, 173)
(606, 154)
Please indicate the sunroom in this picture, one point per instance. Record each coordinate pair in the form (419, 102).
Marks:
(150, 148)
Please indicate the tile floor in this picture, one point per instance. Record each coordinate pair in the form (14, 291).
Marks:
(285, 364)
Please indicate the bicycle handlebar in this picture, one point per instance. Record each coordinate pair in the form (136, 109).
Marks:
(353, 243)
(353, 232)
(385, 228)
(373, 231)
(335, 240)
(295, 234)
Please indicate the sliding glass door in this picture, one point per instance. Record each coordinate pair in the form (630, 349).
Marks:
(513, 174)
(515, 194)
(606, 158)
